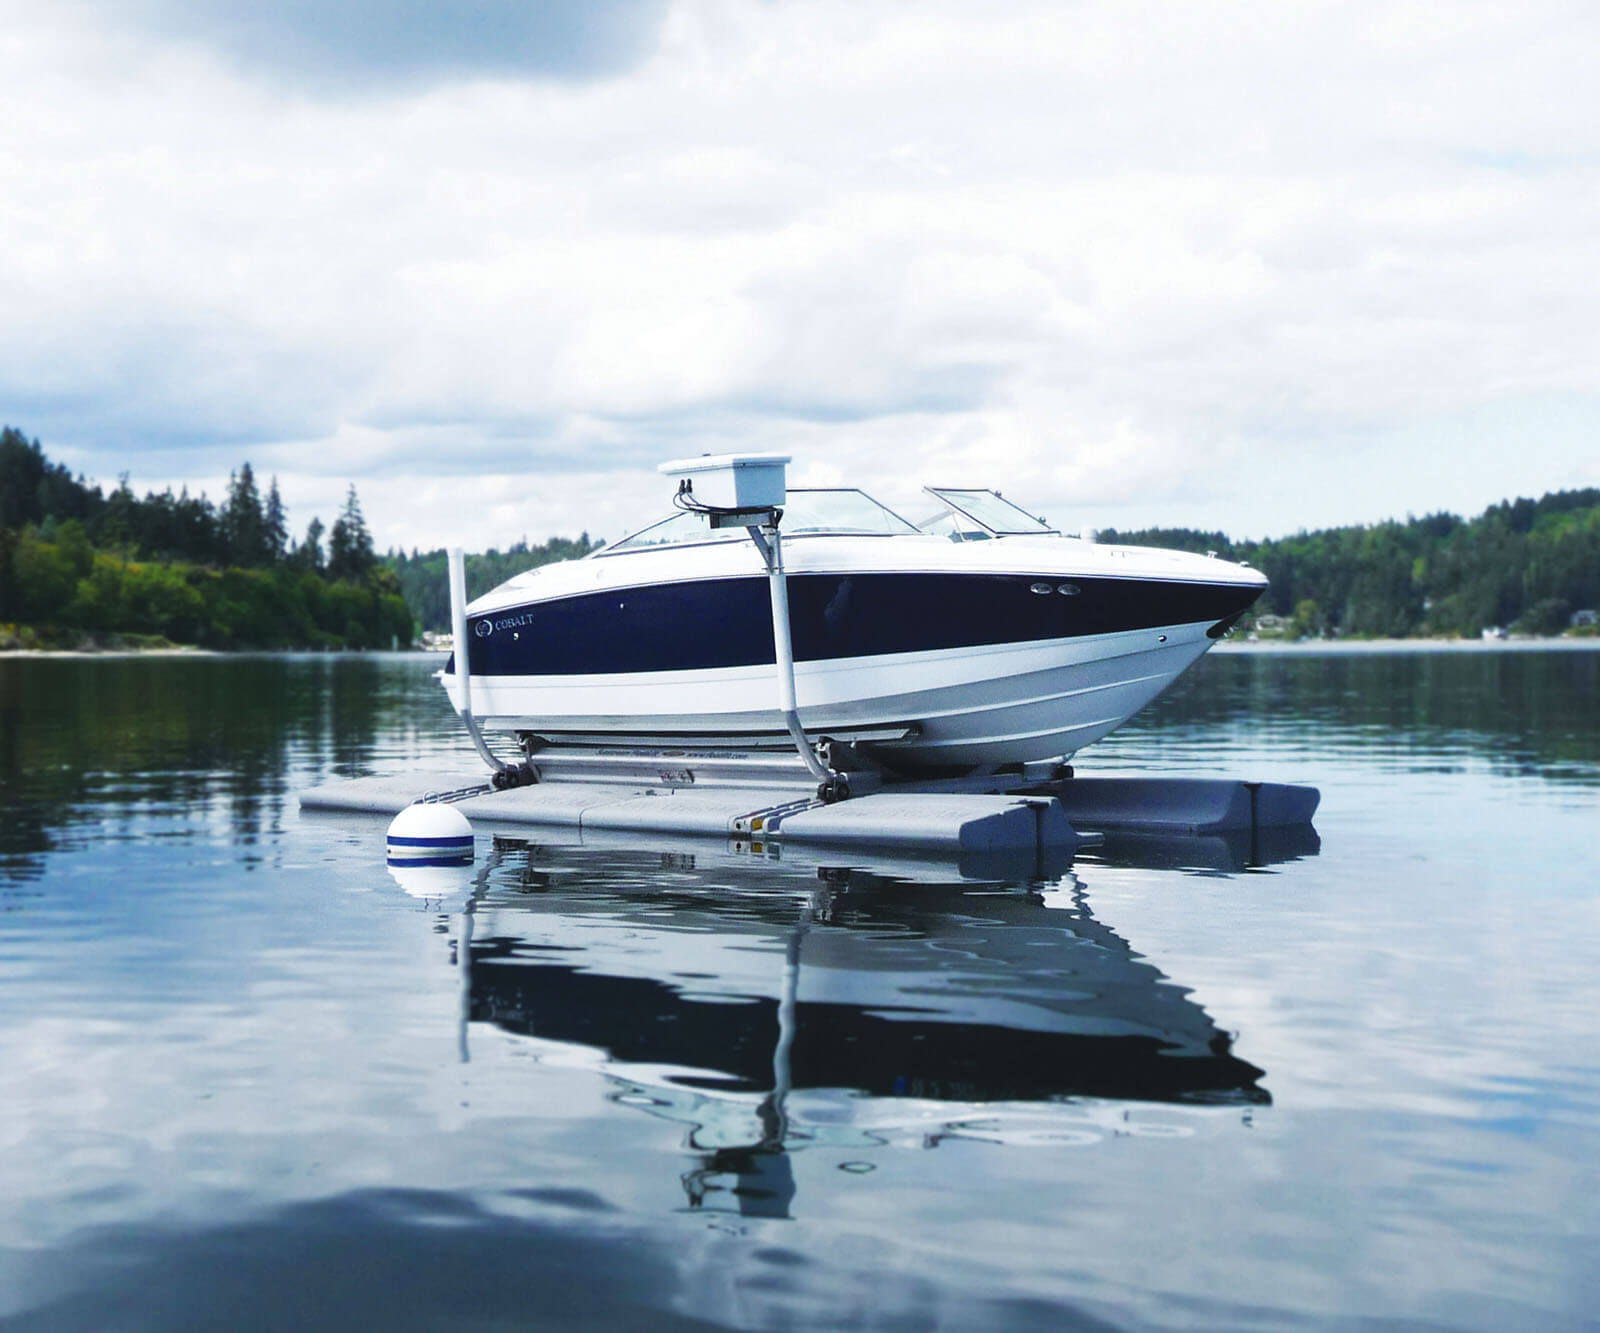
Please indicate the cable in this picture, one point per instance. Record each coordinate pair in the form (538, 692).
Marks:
(684, 500)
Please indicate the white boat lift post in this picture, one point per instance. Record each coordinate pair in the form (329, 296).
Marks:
(765, 509)
(770, 544)
(458, 628)
(739, 488)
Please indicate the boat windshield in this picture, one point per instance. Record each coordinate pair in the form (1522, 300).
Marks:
(972, 515)
(843, 511)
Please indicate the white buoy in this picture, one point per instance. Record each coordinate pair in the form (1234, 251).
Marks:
(430, 835)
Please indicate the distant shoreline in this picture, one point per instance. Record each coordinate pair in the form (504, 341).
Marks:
(113, 652)
(1314, 646)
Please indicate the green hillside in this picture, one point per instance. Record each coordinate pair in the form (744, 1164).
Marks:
(1527, 566)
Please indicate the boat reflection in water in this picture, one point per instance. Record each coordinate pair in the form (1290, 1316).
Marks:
(771, 1007)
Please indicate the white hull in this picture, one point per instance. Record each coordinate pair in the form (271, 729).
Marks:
(991, 704)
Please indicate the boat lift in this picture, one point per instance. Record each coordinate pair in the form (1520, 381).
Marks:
(748, 490)
(819, 793)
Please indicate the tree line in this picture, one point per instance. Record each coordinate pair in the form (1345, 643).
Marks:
(1525, 566)
(76, 562)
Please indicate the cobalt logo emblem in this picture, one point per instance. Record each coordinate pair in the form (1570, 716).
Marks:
(484, 628)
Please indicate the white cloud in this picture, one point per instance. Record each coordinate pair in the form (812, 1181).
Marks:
(1229, 266)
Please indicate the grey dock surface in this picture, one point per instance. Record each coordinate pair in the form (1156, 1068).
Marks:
(887, 820)
(941, 818)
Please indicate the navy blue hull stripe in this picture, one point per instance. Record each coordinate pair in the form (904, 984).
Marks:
(728, 622)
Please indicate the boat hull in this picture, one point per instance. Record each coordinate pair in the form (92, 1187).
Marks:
(992, 704)
(942, 671)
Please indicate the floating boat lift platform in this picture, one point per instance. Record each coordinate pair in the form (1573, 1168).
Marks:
(753, 799)
(823, 792)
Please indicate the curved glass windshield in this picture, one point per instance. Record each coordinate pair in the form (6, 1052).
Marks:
(976, 514)
(805, 512)
(844, 510)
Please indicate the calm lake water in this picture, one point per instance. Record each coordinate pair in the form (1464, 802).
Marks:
(249, 1082)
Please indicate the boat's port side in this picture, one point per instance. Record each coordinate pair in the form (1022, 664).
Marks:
(989, 703)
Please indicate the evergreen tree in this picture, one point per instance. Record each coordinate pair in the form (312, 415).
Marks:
(276, 525)
(117, 526)
(350, 550)
(22, 469)
(309, 554)
(199, 529)
(244, 527)
(33, 489)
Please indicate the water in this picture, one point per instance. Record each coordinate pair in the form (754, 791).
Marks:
(250, 1082)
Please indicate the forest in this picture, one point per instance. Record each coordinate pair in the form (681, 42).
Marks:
(79, 567)
(1522, 566)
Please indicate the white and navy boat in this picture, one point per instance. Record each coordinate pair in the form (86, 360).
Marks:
(982, 637)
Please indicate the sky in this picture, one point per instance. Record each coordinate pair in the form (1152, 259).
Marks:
(1254, 267)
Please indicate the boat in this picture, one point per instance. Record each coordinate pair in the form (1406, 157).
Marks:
(756, 616)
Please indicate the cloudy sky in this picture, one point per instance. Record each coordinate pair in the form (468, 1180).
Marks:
(1257, 266)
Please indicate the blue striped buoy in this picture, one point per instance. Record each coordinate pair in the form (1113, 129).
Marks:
(430, 835)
